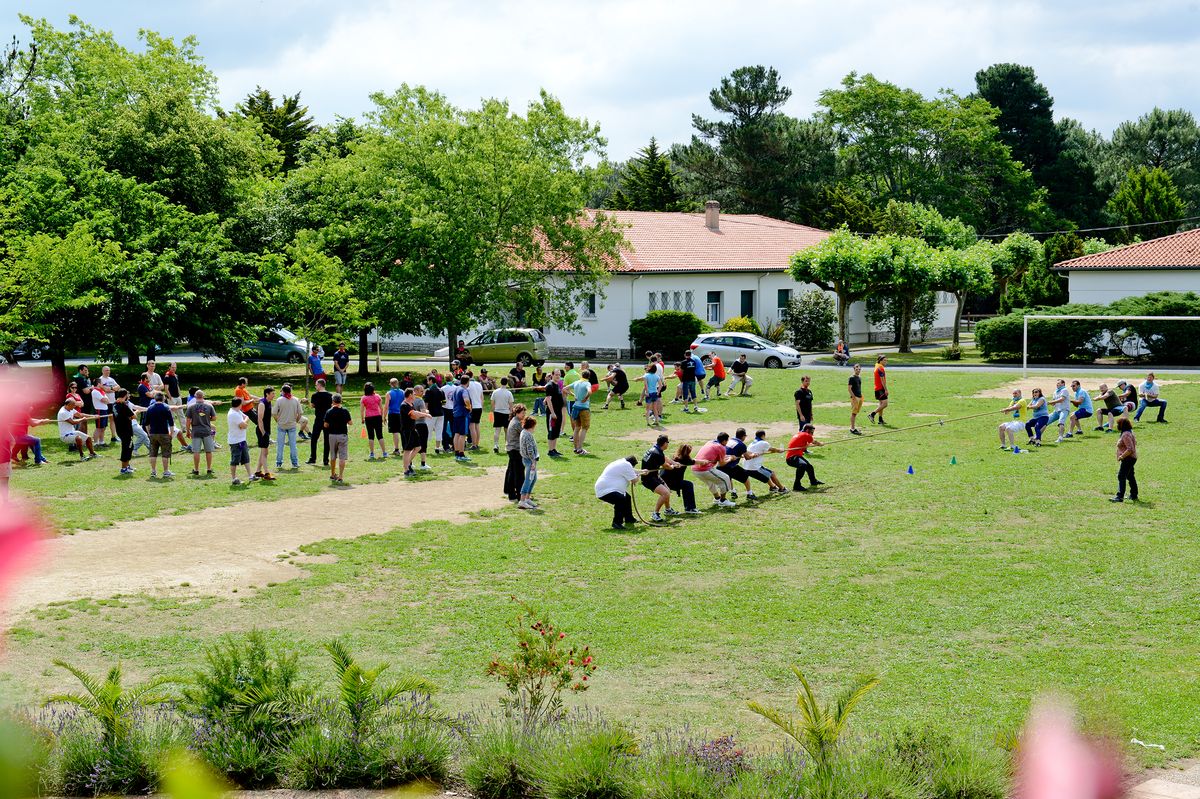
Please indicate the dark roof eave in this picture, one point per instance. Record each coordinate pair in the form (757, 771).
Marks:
(701, 270)
(1113, 268)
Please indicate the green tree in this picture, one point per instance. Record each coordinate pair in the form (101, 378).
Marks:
(849, 266)
(1073, 180)
(1168, 140)
(755, 158)
(648, 183)
(450, 218)
(1013, 257)
(964, 273)
(308, 291)
(287, 122)
(1146, 195)
(944, 152)
(1026, 114)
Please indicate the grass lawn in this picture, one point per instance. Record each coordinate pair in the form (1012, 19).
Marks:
(969, 588)
(922, 357)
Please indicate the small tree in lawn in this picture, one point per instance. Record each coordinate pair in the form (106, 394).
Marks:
(1016, 255)
(911, 274)
(963, 273)
(809, 318)
(848, 265)
(310, 291)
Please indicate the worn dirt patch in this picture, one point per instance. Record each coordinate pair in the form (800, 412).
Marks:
(1090, 382)
(219, 549)
(834, 404)
(933, 415)
(700, 432)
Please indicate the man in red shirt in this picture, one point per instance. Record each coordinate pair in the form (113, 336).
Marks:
(797, 448)
(718, 374)
(710, 456)
(881, 392)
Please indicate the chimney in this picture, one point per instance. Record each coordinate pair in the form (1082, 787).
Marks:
(712, 215)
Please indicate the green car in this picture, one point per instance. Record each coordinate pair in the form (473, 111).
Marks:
(276, 345)
(504, 346)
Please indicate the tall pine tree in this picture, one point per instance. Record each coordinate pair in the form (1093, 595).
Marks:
(648, 184)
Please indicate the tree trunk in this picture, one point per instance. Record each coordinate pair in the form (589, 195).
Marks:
(58, 363)
(151, 355)
(842, 313)
(364, 353)
(452, 337)
(958, 315)
(905, 326)
(132, 357)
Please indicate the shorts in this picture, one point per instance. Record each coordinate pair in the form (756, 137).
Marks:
(239, 454)
(458, 425)
(395, 423)
(715, 381)
(762, 474)
(652, 397)
(409, 440)
(856, 404)
(499, 419)
(573, 410)
(160, 443)
(73, 437)
(652, 481)
(476, 415)
(204, 443)
(1080, 413)
(177, 415)
(423, 437)
(320, 376)
(1014, 426)
(102, 421)
(881, 394)
(339, 377)
(339, 447)
(263, 438)
(584, 417)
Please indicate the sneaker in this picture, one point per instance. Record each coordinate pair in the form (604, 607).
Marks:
(186, 448)
(733, 495)
(872, 417)
(854, 431)
(425, 467)
(656, 517)
(125, 471)
(496, 450)
(371, 457)
(1068, 435)
(1099, 428)
(462, 459)
(1003, 448)
(525, 505)
(256, 478)
(1116, 499)
(302, 437)
(782, 491)
(881, 419)
(582, 452)
(395, 452)
(310, 463)
(195, 473)
(618, 526)
(410, 473)
(751, 495)
(168, 473)
(236, 482)
(799, 488)
(671, 512)
(693, 512)
(1058, 440)
(153, 475)
(816, 483)
(383, 456)
(728, 504)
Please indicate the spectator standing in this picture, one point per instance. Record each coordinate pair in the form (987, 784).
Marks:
(581, 412)
(320, 401)
(100, 408)
(514, 472)
(527, 445)
(287, 421)
(123, 418)
(395, 418)
(424, 424)
(200, 418)
(804, 402)
(881, 389)
(435, 400)
(410, 441)
(1127, 458)
(237, 425)
(372, 418)
(555, 411)
(337, 430)
(159, 421)
(314, 364)
(854, 388)
(475, 391)
(502, 400)
(341, 367)
(263, 431)
(170, 382)
(461, 421)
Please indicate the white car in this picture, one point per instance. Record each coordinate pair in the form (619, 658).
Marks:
(758, 351)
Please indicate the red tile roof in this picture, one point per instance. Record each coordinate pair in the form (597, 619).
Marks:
(1178, 251)
(678, 242)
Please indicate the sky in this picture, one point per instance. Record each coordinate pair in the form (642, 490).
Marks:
(642, 69)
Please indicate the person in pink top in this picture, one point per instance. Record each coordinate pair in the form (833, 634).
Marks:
(710, 456)
(1127, 458)
(372, 413)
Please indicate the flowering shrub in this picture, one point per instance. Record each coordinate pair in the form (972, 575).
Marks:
(541, 667)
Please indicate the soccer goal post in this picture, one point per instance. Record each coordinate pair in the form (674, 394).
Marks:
(1027, 317)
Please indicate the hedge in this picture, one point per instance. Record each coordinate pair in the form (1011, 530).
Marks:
(1065, 340)
(668, 332)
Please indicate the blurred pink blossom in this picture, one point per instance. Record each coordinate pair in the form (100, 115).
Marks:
(1056, 762)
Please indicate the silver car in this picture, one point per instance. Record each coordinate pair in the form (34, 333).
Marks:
(758, 351)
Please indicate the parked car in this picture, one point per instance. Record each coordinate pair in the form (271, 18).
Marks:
(506, 345)
(30, 350)
(758, 351)
(276, 345)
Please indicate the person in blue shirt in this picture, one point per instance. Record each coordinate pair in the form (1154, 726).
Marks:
(581, 412)
(314, 364)
(1041, 417)
(652, 394)
(395, 419)
(700, 372)
(461, 420)
(1082, 401)
(1150, 400)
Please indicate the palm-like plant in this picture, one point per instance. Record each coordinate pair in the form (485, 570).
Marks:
(818, 728)
(362, 696)
(110, 703)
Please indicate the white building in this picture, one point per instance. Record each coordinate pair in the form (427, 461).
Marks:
(1169, 263)
(715, 265)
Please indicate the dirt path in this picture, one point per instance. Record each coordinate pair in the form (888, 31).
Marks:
(219, 549)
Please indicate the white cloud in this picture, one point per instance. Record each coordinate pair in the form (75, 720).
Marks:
(642, 68)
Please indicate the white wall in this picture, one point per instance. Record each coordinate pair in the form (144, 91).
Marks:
(1101, 287)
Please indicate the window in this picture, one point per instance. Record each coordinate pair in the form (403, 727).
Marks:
(687, 301)
(589, 306)
(714, 316)
(664, 300)
(677, 297)
(748, 302)
(783, 298)
(653, 302)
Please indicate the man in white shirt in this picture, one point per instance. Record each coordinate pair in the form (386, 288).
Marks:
(156, 381)
(1060, 412)
(448, 391)
(502, 400)
(752, 462)
(475, 392)
(67, 418)
(100, 403)
(1150, 400)
(239, 450)
(612, 486)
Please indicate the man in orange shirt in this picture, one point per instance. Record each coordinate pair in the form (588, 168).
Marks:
(797, 448)
(881, 391)
(718, 374)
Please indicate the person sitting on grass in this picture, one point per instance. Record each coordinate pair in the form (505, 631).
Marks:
(1008, 430)
(612, 486)
(841, 353)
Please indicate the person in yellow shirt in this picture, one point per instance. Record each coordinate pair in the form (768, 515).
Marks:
(1016, 424)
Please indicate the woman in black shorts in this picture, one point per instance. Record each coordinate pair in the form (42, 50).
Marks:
(676, 479)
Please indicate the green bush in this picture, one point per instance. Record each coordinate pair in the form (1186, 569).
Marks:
(25, 751)
(86, 762)
(1050, 340)
(249, 761)
(322, 756)
(1168, 342)
(500, 759)
(952, 769)
(742, 324)
(677, 775)
(594, 762)
(668, 332)
(416, 750)
(810, 318)
(951, 353)
(873, 773)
